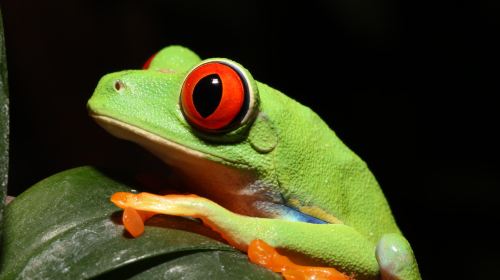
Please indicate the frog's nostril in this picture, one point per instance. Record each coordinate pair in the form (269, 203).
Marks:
(119, 86)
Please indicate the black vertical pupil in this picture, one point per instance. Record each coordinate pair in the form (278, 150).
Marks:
(207, 94)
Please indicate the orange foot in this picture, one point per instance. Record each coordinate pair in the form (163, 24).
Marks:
(263, 254)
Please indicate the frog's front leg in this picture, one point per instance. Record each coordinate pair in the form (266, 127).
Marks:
(396, 259)
(334, 245)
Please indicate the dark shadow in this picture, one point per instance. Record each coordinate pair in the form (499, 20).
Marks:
(156, 178)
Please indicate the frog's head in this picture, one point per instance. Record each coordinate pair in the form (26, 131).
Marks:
(202, 118)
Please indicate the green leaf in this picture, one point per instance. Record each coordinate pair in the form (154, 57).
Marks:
(4, 124)
(64, 227)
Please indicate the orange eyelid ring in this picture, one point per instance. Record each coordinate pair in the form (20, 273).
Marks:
(215, 95)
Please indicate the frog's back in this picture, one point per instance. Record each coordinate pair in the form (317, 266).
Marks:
(319, 174)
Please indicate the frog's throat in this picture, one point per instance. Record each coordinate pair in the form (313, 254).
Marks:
(205, 173)
(154, 143)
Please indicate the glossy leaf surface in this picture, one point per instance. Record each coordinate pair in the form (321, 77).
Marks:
(64, 227)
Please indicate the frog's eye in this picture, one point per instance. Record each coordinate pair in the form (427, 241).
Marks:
(214, 96)
(148, 62)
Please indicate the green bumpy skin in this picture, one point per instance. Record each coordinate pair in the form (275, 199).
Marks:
(282, 156)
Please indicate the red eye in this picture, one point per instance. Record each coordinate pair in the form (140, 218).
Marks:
(148, 62)
(213, 96)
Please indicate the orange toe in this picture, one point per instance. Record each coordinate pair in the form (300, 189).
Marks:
(133, 222)
(120, 199)
(261, 253)
(132, 219)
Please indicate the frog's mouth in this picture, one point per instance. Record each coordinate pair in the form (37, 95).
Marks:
(236, 189)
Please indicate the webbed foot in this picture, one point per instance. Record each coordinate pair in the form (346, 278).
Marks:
(261, 253)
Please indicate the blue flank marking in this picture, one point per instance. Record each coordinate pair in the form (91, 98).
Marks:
(295, 215)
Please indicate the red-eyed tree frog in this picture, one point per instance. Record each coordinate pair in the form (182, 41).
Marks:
(269, 175)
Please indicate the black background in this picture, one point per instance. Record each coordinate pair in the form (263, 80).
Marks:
(411, 87)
